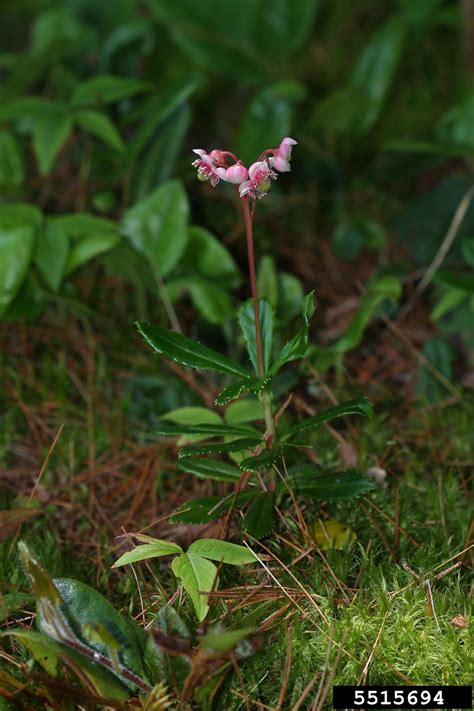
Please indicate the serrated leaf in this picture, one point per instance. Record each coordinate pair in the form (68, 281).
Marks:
(264, 460)
(337, 486)
(204, 429)
(297, 346)
(146, 551)
(246, 318)
(210, 469)
(187, 351)
(232, 392)
(237, 445)
(100, 126)
(360, 406)
(157, 226)
(260, 518)
(197, 576)
(222, 551)
(208, 508)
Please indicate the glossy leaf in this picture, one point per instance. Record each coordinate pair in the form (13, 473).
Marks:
(336, 486)
(197, 576)
(222, 551)
(157, 226)
(260, 518)
(16, 250)
(207, 255)
(208, 508)
(146, 551)
(264, 460)
(237, 445)
(188, 352)
(50, 133)
(210, 469)
(87, 248)
(246, 318)
(12, 170)
(360, 406)
(297, 346)
(100, 126)
(232, 392)
(51, 254)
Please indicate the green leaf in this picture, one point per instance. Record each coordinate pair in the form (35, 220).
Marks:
(246, 318)
(211, 301)
(101, 127)
(50, 133)
(87, 248)
(260, 518)
(268, 118)
(237, 445)
(386, 287)
(297, 346)
(337, 486)
(157, 226)
(16, 250)
(247, 410)
(210, 469)
(12, 170)
(107, 89)
(232, 392)
(210, 430)
(267, 279)
(172, 669)
(51, 254)
(360, 406)
(208, 508)
(222, 551)
(220, 640)
(205, 254)
(49, 652)
(188, 352)
(197, 576)
(264, 460)
(146, 551)
(441, 355)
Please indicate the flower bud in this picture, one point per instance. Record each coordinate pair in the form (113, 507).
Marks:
(217, 156)
(236, 173)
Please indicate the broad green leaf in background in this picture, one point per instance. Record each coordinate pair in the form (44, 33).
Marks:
(210, 300)
(360, 406)
(187, 351)
(267, 279)
(100, 126)
(222, 551)
(208, 256)
(268, 118)
(383, 288)
(157, 226)
(50, 133)
(197, 575)
(107, 88)
(87, 248)
(353, 235)
(214, 469)
(297, 346)
(189, 417)
(441, 355)
(260, 518)
(336, 486)
(16, 249)
(247, 410)
(157, 549)
(246, 318)
(12, 169)
(51, 253)
(58, 27)
(455, 127)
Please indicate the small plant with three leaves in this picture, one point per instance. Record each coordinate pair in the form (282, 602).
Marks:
(257, 452)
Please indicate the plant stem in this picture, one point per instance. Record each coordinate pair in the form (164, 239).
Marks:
(265, 395)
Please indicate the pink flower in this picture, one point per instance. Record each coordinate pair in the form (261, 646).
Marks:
(259, 183)
(206, 168)
(236, 173)
(281, 160)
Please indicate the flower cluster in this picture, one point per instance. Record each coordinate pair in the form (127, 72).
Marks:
(253, 182)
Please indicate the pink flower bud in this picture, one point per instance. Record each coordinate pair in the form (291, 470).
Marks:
(236, 173)
(217, 156)
(284, 149)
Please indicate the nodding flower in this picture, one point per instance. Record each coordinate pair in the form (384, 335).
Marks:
(254, 182)
(259, 183)
(207, 169)
(282, 157)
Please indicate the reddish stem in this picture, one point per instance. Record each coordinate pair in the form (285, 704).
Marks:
(253, 284)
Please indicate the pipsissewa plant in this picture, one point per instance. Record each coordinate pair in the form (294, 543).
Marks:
(257, 450)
